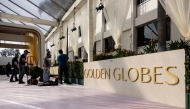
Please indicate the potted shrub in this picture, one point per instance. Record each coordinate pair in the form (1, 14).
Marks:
(79, 73)
(71, 71)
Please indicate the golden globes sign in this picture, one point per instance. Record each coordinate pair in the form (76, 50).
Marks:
(144, 71)
(157, 77)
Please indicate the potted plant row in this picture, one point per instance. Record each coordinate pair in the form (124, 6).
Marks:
(75, 70)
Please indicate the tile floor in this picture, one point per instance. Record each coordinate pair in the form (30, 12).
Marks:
(19, 96)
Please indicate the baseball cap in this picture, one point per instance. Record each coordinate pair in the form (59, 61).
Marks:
(26, 51)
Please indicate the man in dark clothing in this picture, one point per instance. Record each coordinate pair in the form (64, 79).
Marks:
(4, 70)
(22, 63)
(8, 69)
(15, 68)
(62, 60)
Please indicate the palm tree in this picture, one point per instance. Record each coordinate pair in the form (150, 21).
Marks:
(161, 28)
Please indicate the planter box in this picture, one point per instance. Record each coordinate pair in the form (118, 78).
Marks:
(54, 70)
(72, 80)
(187, 100)
(80, 81)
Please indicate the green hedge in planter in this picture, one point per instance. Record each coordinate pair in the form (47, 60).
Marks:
(116, 54)
(150, 48)
(174, 45)
(80, 81)
(187, 100)
(72, 80)
(75, 69)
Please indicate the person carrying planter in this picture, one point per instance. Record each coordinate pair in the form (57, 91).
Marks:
(62, 60)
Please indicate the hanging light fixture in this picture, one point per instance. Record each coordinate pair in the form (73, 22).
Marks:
(100, 7)
(52, 45)
(62, 37)
(74, 28)
(53, 42)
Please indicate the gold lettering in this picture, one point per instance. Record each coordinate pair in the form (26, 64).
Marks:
(172, 75)
(94, 74)
(102, 74)
(85, 74)
(98, 71)
(156, 73)
(92, 71)
(145, 73)
(118, 74)
(123, 75)
(137, 74)
(107, 73)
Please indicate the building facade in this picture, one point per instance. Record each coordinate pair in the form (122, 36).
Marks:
(139, 28)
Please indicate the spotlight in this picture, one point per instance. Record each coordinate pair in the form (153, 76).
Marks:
(74, 29)
(100, 7)
(62, 37)
(52, 45)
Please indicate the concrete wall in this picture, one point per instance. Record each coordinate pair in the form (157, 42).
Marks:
(158, 77)
(71, 56)
(5, 60)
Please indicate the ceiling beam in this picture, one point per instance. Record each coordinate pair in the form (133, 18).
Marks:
(2, 45)
(28, 19)
(13, 37)
(19, 15)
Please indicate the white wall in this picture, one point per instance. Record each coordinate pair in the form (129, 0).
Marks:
(98, 47)
(146, 7)
(155, 89)
(71, 56)
(5, 60)
(84, 54)
(125, 40)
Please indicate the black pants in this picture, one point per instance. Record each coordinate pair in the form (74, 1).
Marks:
(65, 70)
(8, 72)
(14, 74)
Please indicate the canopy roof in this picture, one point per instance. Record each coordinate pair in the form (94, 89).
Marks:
(52, 10)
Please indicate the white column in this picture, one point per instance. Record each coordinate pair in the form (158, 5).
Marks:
(102, 33)
(60, 30)
(133, 29)
(90, 29)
